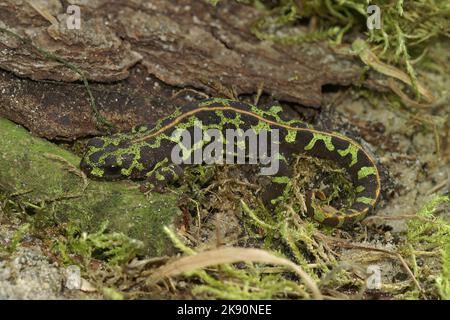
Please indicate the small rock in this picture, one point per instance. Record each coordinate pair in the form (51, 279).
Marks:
(73, 277)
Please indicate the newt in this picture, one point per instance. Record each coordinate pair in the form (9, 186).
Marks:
(145, 153)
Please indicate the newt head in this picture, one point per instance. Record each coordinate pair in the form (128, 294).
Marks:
(116, 157)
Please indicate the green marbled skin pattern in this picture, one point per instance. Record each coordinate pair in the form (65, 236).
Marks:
(144, 153)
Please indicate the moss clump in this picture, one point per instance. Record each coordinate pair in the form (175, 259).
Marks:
(283, 232)
(113, 247)
(443, 280)
(250, 282)
(16, 238)
(45, 180)
(429, 236)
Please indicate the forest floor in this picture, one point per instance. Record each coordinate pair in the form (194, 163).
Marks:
(400, 252)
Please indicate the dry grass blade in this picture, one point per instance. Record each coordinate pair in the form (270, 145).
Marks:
(370, 59)
(43, 12)
(405, 99)
(231, 255)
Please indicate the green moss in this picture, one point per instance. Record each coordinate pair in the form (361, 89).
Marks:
(251, 282)
(44, 178)
(443, 280)
(16, 238)
(112, 294)
(112, 247)
(432, 233)
(282, 180)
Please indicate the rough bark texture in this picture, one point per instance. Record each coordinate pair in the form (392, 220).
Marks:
(61, 110)
(182, 43)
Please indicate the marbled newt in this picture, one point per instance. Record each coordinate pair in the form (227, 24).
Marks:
(145, 153)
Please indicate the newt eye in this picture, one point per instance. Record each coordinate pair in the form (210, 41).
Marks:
(113, 172)
(113, 169)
